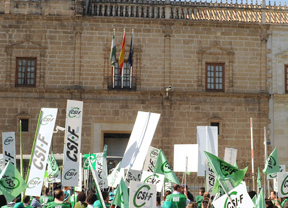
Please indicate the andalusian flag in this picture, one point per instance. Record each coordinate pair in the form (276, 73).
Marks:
(122, 53)
(259, 179)
(11, 182)
(272, 163)
(162, 167)
(121, 198)
(225, 172)
(113, 50)
(52, 166)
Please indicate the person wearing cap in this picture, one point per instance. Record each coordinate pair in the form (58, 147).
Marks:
(179, 200)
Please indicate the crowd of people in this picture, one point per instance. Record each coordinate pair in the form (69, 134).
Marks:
(179, 197)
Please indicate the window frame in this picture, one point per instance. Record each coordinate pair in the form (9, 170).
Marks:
(223, 77)
(129, 78)
(25, 78)
(286, 77)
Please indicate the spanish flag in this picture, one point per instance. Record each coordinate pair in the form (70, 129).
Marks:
(122, 53)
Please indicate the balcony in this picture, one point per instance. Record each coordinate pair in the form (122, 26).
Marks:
(118, 82)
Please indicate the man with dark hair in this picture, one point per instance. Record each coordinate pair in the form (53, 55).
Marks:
(91, 198)
(98, 204)
(274, 199)
(24, 204)
(179, 200)
(45, 199)
(199, 198)
(58, 202)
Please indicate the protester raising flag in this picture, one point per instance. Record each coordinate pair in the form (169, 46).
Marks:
(225, 172)
(260, 202)
(162, 167)
(122, 53)
(11, 182)
(272, 163)
(121, 198)
(52, 166)
(259, 179)
(113, 50)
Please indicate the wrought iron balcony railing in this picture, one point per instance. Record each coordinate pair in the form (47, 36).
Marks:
(118, 82)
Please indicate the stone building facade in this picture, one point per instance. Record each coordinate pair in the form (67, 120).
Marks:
(175, 43)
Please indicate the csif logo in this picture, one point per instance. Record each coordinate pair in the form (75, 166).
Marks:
(151, 179)
(70, 174)
(10, 182)
(74, 113)
(284, 186)
(236, 200)
(8, 140)
(154, 153)
(271, 162)
(165, 167)
(92, 158)
(142, 195)
(34, 182)
(47, 119)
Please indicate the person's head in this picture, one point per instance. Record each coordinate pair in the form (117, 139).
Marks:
(177, 187)
(201, 191)
(269, 203)
(105, 196)
(205, 203)
(81, 197)
(91, 198)
(166, 194)
(192, 205)
(252, 194)
(59, 194)
(26, 199)
(66, 188)
(273, 195)
(17, 199)
(206, 195)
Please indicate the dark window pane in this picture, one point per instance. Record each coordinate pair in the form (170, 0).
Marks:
(25, 125)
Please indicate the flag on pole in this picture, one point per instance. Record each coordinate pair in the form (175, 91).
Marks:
(121, 198)
(272, 163)
(260, 202)
(162, 167)
(52, 166)
(122, 53)
(259, 179)
(225, 172)
(11, 182)
(131, 52)
(113, 50)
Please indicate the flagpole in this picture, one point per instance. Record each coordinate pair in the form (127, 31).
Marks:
(265, 158)
(252, 154)
(21, 156)
(35, 138)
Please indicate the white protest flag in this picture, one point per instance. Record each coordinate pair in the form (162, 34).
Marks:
(230, 155)
(142, 195)
(282, 179)
(140, 140)
(79, 187)
(132, 175)
(42, 141)
(185, 158)
(101, 170)
(72, 145)
(207, 140)
(153, 178)
(151, 159)
(239, 197)
(8, 144)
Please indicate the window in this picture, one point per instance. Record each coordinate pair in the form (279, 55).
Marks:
(25, 72)
(215, 77)
(286, 78)
(25, 125)
(216, 124)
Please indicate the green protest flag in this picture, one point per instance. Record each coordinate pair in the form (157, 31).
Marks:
(260, 202)
(11, 182)
(254, 199)
(162, 167)
(272, 163)
(52, 166)
(259, 179)
(121, 198)
(225, 172)
(86, 161)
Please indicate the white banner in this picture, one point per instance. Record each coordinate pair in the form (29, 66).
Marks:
(8, 144)
(210, 179)
(153, 178)
(239, 197)
(282, 179)
(151, 159)
(80, 179)
(101, 170)
(142, 195)
(41, 151)
(230, 155)
(132, 175)
(72, 145)
(185, 158)
(207, 140)
(140, 140)
(274, 175)
(1, 162)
